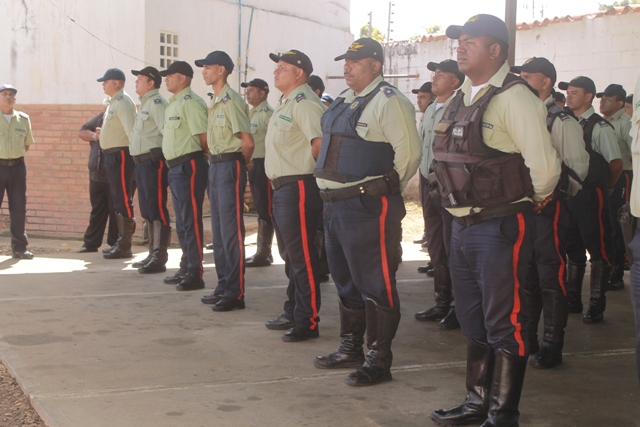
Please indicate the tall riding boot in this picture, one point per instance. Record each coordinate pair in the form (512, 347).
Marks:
(349, 354)
(382, 324)
(162, 240)
(149, 228)
(122, 249)
(555, 320)
(442, 293)
(533, 305)
(575, 276)
(506, 388)
(597, 301)
(262, 257)
(479, 374)
(616, 279)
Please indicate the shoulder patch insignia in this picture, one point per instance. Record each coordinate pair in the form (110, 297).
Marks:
(487, 125)
(187, 97)
(226, 99)
(265, 109)
(604, 123)
(157, 101)
(120, 98)
(564, 116)
(388, 92)
(300, 97)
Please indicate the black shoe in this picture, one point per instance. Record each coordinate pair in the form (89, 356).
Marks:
(142, 262)
(368, 375)
(256, 261)
(109, 249)
(595, 312)
(25, 254)
(190, 283)
(575, 303)
(546, 358)
(421, 240)
(450, 321)
(176, 278)
(118, 253)
(211, 299)
(434, 314)
(615, 285)
(300, 333)
(323, 278)
(153, 266)
(208, 246)
(424, 268)
(86, 249)
(282, 323)
(228, 304)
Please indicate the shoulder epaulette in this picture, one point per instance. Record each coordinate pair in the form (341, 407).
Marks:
(157, 101)
(300, 97)
(604, 123)
(564, 116)
(226, 99)
(266, 109)
(120, 98)
(21, 114)
(187, 97)
(388, 92)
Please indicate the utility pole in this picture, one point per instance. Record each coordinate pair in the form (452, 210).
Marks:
(389, 30)
(370, 24)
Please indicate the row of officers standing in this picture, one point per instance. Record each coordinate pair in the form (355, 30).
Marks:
(515, 182)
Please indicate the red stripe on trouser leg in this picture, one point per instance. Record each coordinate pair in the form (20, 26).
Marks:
(516, 286)
(123, 182)
(239, 210)
(556, 240)
(194, 208)
(603, 250)
(307, 256)
(383, 250)
(160, 198)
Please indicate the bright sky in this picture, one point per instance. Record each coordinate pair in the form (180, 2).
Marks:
(412, 17)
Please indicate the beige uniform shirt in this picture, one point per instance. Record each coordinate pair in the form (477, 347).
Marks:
(566, 138)
(147, 130)
(622, 125)
(389, 119)
(294, 123)
(259, 118)
(603, 139)
(228, 115)
(515, 122)
(118, 121)
(185, 120)
(431, 118)
(15, 136)
(635, 152)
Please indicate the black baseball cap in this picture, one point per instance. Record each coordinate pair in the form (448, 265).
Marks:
(113, 74)
(629, 99)
(294, 57)
(217, 57)
(537, 65)
(7, 86)
(581, 81)
(448, 66)
(179, 67)
(316, 83)
(257, 83)
(426, 88)
(481, 25)
(613, 90)
(150, 72)
(363, 48)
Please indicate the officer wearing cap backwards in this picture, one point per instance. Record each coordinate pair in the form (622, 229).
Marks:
(151, 170)
(184, 146)
(546, 282)
(15, 140)
(495, 165)
(114, 140)
(370, 150)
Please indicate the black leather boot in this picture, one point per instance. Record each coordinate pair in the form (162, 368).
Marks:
(556, 312)
(442, 293)
(506, 388)
(476, 405)
(533, 307)
(262, 257)
(422, 239)
(122, 248)
(161, 238)
(450, 321)
(382, 324)
(143, 262)
(616, 279)
(349, 354)
(575, 276)
(598, 300)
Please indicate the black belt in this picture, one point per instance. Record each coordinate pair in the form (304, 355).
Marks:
(495, 212)
(225, 157)
(114, 150)
(12, 162)
(182, 159)
(154, 154)
(375, 188)
(284, 180)
(141, 158)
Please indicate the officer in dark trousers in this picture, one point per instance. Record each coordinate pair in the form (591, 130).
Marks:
(184, 146)
(151, 169)
(375, 124)
(99, 193)
(114, 141)
(15, 140)
(292, 145)
(230, 149)
(612, 102)
(590, 226)
(495, 164)
(546, 282)
(260, 113)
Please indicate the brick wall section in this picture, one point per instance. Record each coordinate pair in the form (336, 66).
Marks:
(57, 174)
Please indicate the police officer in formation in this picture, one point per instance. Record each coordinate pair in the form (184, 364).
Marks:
(151, 170)
(114, 137)
(230, 150)
(494, 164)
(15, 140)
(374, 123)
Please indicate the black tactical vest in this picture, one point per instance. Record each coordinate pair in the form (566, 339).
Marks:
(598, 175)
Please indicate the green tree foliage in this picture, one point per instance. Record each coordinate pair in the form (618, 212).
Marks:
(376, 35)
(604, 7)
(434, 29)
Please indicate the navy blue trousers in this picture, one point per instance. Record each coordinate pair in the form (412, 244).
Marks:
(120, 170)
(261, 190)
(360, 236)
(101, 212)
(438, 230)
(188, 182)
(489, 263)
(296, 208)
(620, 195)
(13, 180)
(151, 178)
(589, 226)
(634, 246)
(227, 181)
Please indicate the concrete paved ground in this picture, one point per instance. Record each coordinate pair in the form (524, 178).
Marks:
(96, 344)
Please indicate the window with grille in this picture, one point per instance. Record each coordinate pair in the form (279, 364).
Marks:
(168, 49)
